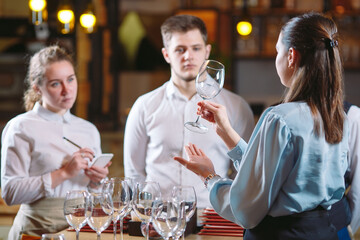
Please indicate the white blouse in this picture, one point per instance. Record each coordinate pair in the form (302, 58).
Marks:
(33, 147)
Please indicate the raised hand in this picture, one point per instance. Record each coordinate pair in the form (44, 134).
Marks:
(216, 114)
(198, 162)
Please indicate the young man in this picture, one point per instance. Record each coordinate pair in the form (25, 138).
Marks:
(345, 214)
(155, 131)
(353, 195)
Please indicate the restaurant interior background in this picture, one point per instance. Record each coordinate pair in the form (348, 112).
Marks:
(122, 59)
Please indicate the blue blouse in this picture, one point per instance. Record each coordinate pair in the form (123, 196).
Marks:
(284, 169)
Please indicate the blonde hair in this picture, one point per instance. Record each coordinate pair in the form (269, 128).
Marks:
(36, 71)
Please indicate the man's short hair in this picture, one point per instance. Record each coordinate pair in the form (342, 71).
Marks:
(182, 24)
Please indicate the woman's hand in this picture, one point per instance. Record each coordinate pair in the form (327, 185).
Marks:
(198, 162)
(216, 113)
(79, 160)
(96, 173)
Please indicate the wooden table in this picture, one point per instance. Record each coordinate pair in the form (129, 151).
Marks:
(70, 235)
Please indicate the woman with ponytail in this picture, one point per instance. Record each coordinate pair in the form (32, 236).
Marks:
(38, 166)
(291, 171)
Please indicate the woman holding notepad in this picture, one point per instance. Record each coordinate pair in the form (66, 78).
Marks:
(46, 151)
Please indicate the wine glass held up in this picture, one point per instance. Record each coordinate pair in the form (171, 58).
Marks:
(209, 82)
(99, 211)
(75, 208)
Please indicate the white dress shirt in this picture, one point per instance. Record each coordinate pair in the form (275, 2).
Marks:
(33, 147)
(354, 153)
(155, 133)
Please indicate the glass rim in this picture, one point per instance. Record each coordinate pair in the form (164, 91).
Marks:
(220, 65)
(52, 235)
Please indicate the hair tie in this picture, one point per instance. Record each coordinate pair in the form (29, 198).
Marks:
(330, 43)
(333, 43)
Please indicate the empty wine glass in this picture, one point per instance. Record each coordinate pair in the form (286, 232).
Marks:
(119, 191)
(209, 82)
(167, 216)
(52, 236)
(146, 193)
(74, 209)
(131, 182)
(99, 211)
(179, 231)
(188, 195)
(153, 234)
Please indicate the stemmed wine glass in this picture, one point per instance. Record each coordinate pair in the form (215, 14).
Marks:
(131, 182)
(119, 191)
(99, 211)
(146, 193)
(52, 236)
(167, 216)
(74, 209)
(209, 82)
(179, 231)
(186, 194)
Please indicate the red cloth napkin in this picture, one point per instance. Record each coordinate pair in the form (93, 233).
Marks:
(217, 226)
(29, 237)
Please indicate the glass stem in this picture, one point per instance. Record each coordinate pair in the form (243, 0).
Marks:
(121, 229)
(114, 228)
(147, 230)
(183, 236)
(98, 235)
(197, 119)
(77, 233)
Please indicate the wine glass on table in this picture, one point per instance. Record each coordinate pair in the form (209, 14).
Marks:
(99, 211)
(167, 216)
(131, 182)
(186, 194)
(75, 208)
(146, 193)
(119, 191)
(52, 236)
(209, 82)
(179, 231)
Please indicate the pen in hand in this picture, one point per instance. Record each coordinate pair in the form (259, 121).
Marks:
(76, 145)
(72, 142)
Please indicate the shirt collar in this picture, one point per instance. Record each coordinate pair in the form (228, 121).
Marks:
(173, 91)
(51, 116)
